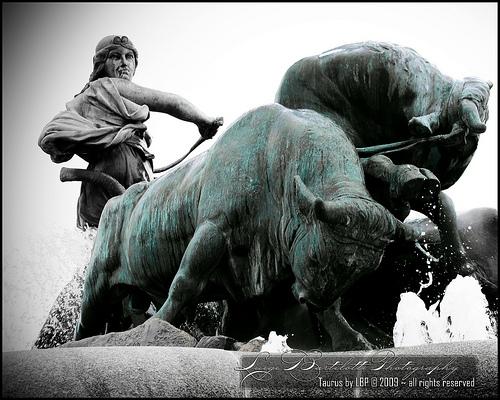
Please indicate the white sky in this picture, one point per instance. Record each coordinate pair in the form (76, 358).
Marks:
(224, 58)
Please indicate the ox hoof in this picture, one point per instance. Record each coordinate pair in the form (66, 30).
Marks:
(354, 342)
(82, 333)
(79, 332)
(412, 183)
(361, 343)
(418, 128)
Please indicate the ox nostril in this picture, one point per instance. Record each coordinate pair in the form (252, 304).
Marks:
(302, 300)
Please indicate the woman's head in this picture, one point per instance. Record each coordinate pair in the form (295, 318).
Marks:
(115, 57)
(111, 45)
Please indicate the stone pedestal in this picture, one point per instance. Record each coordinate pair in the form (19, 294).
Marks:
(195, 372)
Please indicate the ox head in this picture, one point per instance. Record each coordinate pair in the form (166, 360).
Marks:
(344, 239)
(464, 113)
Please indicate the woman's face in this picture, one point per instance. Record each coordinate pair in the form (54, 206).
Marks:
(120, 63)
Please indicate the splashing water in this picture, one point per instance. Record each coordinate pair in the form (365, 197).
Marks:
(429, 258)
(276, 344)
(463, 315)
(412, 322)
(465, 309)
(425, 252)
(36, 267)
(425, 285)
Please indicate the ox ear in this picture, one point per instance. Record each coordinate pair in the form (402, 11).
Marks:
(308, 203)
(490, 84)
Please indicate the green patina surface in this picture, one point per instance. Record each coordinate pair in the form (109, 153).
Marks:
(322, 229)
(281, 196)
(381, 94)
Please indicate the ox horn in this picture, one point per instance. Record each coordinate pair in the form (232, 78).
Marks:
(470, 115)
(100, 178)
(309, 203)
(424, 125)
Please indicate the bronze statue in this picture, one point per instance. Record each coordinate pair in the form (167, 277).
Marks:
(278, 200)
(104, 125)
(397, 108)
(295, 203)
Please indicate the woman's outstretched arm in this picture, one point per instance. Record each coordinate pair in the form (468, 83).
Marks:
(169, 103)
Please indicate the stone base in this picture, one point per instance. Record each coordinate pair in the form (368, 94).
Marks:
(195, 372)
(153, 332)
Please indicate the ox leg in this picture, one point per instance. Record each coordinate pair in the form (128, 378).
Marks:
(101, 310)
(442, 213)
(93, 314)
(343, 336)
(202, 255)
(395, 186)
(135, 307)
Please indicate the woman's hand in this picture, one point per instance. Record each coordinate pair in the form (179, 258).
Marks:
(209, 128)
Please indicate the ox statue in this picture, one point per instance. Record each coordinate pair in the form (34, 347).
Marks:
(399, 109)
(278, 201)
